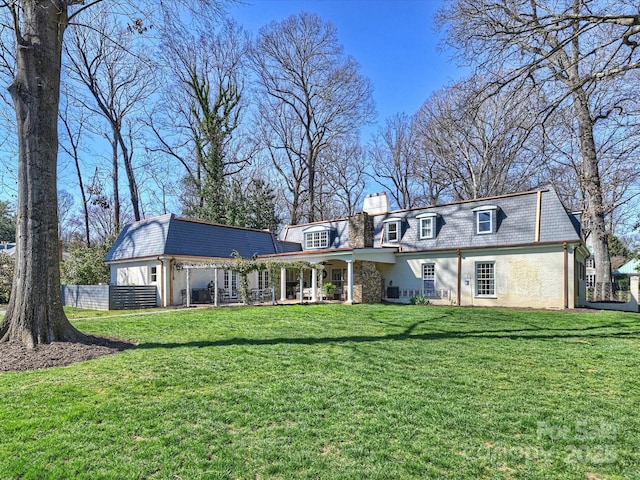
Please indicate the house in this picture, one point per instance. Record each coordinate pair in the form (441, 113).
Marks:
(8, 248)
(517, 250)
(154, 251)
(629, 269)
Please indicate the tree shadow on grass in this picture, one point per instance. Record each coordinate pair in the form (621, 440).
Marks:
(531, 332)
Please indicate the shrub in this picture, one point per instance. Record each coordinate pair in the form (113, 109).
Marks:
(7, 266)
(329, 288)
(420, 300)
(85, 266)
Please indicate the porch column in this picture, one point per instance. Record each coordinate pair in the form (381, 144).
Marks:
(349, 281)
(314, 285)
(283, 284)
(165, 278)
(188, 287)
(216, 300)
(301, 285)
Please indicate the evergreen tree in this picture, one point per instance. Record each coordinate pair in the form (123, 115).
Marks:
(7, 223)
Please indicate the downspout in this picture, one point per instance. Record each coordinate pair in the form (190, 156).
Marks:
(566, 275)
(538, 217)
(171, 281)
(458, 296)
(162, 281)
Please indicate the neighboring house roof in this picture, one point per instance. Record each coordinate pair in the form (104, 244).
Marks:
(171, 235)
(517, 223)
(632, 267)
(8, 248)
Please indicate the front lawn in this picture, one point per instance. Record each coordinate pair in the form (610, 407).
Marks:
(334, 391)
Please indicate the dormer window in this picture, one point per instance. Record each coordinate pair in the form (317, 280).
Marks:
(485, 218)
(427, 223)
(316, 238)
(392, 230)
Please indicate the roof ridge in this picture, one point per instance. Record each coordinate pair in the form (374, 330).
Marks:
(460, 202)
(214, 224)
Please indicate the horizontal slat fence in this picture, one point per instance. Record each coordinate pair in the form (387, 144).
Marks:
(109, 297)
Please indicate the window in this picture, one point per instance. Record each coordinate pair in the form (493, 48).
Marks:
(316, 237)
(427, 225)
(485, 279)
(153, 274)
(230, 280)
(263, 280)
(485, 219)
(591, 280)
(590, 262)
(429, 280)
(392, 230)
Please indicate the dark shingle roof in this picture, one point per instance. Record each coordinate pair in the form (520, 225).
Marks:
(170, 235)
(455, 226)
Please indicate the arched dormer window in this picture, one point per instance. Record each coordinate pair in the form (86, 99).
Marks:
(392, 230)
(486, 219)
(317, 237)
(427, 225)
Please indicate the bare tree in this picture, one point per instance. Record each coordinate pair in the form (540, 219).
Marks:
(568, 48)
(393, 150)
(34, 314)
(345, 164)
(309, 94)
(482, 145)
(617, 146)
(73, 119)
(198, 122)
(118, 80)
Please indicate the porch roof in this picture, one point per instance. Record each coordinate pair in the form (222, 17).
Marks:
(378, 255)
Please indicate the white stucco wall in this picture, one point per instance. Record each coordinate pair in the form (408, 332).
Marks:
(137, 273)
(134, 273)
(524, 277)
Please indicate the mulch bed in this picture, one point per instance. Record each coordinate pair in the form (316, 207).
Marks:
(15, 357)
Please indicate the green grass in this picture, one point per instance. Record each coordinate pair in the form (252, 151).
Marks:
(333, 391)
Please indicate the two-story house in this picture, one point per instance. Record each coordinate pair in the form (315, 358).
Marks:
(518, 250)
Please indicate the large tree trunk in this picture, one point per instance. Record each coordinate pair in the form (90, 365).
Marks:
(133, 185)
(595, 205)
(34, 314)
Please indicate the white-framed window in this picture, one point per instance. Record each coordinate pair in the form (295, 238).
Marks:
(263, 279)
(427, 224)
(316, 237)
(392, 230)
(485, 218)
(426, 227)
(485, 279)
(590, 262)
(153, 274)
(591, 280)
(230, 280)
(429, 280)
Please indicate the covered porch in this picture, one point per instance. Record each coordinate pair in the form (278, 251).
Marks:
(354, 273)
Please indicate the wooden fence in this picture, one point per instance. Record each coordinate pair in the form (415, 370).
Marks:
(109, 297)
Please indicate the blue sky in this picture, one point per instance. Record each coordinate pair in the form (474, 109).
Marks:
(394, 41)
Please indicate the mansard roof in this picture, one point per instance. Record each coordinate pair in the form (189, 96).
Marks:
(171, 235)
